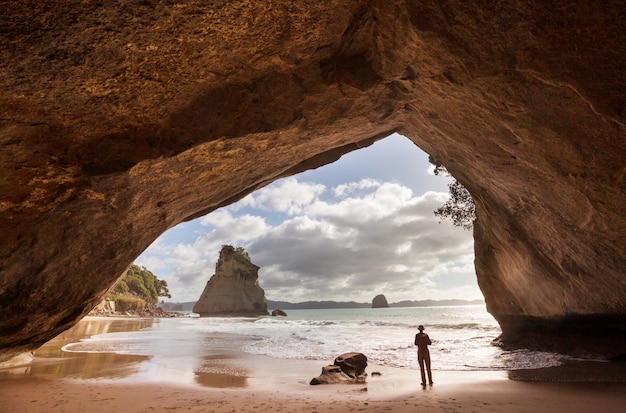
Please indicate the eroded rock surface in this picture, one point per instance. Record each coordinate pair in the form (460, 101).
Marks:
(380, 301)
(234, 289)
(331, 374)
(279, 313)
(119, 120)
(347, 368)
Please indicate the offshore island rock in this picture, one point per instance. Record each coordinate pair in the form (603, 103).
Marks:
(380, 302)
(234, 289)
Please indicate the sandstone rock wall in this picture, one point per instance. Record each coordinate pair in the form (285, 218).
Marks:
(234, 289)
(119, 120)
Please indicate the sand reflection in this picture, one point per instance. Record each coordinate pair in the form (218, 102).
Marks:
(215, 371)
(52, 362)
(88, 366)
(164, 355)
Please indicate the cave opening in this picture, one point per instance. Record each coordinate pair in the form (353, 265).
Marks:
(348, 231)
(345, 232)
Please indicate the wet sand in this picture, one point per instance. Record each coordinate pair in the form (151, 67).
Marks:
(229, 382)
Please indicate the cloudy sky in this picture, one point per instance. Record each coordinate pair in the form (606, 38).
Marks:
(348, 231)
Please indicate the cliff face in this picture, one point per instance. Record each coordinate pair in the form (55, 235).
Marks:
(234, 288)
(119, 120)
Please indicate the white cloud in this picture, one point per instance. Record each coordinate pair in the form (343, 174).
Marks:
(358, 240)
(230, 229)
(287, 196)
(383, 240)
(355, 247)
(351, 187)
(404, 247)
(397, 268)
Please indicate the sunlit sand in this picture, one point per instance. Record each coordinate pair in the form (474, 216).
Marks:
(226, 381)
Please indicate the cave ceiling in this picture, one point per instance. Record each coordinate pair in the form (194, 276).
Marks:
(119, 120)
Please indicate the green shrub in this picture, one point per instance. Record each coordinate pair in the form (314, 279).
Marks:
(139, 282)
(129, 303)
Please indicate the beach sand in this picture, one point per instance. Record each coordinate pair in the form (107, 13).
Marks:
(110, 383)
(454, 392)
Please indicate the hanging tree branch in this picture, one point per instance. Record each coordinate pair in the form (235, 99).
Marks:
(460, 207)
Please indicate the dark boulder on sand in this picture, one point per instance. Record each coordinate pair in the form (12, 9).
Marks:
(348, 368)
(331, 374)
(353, 364)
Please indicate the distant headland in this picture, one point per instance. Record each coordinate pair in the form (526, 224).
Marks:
(314, 305)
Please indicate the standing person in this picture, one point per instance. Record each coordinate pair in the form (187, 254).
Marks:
(422, 341)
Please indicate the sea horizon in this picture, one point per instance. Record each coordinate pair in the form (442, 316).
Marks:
(184, 349)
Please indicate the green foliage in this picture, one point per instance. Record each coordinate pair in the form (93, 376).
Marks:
(239, 250)
(460, 207)
(439, 168)
(129, 303)
(138, 283)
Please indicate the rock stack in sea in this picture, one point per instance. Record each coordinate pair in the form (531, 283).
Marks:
(279, 313)
(234, 289)
(380, 302)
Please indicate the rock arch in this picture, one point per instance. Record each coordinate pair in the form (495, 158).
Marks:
(119, 121)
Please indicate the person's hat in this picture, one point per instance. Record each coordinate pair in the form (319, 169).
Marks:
(420, 327)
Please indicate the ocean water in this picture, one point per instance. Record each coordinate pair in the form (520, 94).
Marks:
(461, 335)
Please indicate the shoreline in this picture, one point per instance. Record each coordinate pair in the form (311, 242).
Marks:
(232, 381)
(571, 371)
